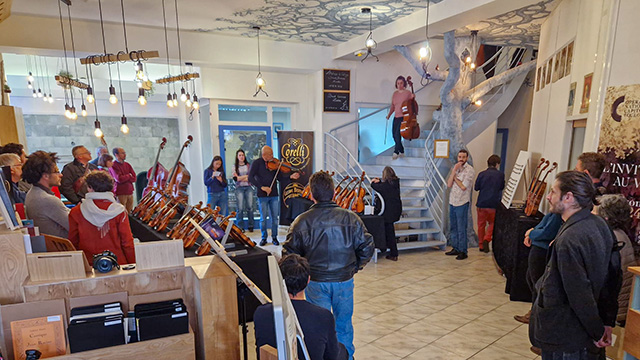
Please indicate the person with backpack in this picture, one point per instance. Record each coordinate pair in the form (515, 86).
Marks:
(573, 313)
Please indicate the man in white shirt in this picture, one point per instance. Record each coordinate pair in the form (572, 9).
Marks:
(460, 182)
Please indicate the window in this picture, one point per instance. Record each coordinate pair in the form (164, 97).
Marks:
(240, 113)
(577, 142)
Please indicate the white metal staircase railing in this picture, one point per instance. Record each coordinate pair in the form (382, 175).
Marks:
(434, 183)
(339, 159)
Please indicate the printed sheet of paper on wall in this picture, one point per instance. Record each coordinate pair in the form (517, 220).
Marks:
(516, 174)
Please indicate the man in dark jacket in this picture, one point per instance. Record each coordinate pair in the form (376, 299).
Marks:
(73, 186)
(337, 245)
(567, 321)
(490, 184)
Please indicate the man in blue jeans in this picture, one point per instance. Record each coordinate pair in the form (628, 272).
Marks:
(336, 244)
(460, 182)
(268, 200)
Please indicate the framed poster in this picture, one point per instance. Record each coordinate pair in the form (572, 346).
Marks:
(549, 68)
(538, 79)
(572, 99)
(563, 63)
(567, 69)
(586, 94)
(441, 148)
(556, 68)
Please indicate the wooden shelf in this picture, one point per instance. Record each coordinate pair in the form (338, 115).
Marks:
(169, 348)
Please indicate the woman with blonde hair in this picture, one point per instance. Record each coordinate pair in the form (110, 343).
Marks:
(389, 188)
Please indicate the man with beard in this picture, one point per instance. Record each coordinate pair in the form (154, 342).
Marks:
(567, 319)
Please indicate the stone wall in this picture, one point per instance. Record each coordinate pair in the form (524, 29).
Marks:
(58, 134)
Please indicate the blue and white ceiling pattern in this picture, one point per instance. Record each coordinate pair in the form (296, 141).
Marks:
(520, 27)
(322, 22)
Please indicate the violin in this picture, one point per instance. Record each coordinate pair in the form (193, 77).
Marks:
(358, 203)
(345, 192)
(409, 128)
(185, 219)
(338, 188)
(157, 174)
(536, 196)
(284, 166)
(191, 234)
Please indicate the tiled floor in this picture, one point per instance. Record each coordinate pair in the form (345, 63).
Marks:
(431, 306)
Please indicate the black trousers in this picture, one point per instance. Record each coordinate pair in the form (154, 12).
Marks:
(390, 236)
(537, 264)
(398, 149)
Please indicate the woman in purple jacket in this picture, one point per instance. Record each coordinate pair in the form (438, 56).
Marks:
(216, 182)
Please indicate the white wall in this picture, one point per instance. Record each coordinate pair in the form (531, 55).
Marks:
(480, 149)
(587, 22)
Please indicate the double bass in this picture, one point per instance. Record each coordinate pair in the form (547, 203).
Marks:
(409, 128)
(157, 174)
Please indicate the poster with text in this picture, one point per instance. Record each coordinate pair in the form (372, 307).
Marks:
(620, 144)
(296, 149)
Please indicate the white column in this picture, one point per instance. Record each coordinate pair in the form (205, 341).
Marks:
(189, 124)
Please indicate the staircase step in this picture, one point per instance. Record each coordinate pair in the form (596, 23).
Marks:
(414, 208)
(401, 233)
(403, 172)
(410, 198)
(405, 220)
(419, 244)
(415, 161)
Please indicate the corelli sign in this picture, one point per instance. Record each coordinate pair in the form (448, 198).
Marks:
(296, 148)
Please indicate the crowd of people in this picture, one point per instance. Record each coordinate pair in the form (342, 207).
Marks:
(576, 267)
(100, 197)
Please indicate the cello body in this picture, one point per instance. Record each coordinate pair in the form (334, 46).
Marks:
(409, 128)
(157, 175)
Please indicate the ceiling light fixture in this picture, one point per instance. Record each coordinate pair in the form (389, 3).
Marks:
(124, 128)
(425, 50)
(370, 44)
(98, 131)
(142, 100)
(260, 82)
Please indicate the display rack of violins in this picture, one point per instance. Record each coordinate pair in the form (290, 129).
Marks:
(166, 197)
(350, 196)
(538, 185)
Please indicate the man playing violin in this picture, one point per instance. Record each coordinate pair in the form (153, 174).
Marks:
(265, 180)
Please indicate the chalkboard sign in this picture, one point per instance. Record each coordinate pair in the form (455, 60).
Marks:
(336, 101)
(336, 80)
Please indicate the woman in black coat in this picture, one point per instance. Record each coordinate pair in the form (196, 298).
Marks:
(389, 189)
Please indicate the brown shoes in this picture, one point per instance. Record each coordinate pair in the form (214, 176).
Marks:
(536, 350)
(523, 318)
(392, 258)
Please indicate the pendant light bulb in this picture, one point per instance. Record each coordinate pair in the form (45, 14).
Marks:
(45, 98)
(142, 100)
(169, 100)
(196, 104)
(73, 115)
(124, 128)
(188, 103)
(472, 66)
(139, 70)
(50, 99)
(175, 99)
(84, 111)
(30, 77)
(113, 99)
(97, 132)
(183, 95)
(40, 93)
(29, 85)
(370, 43)
(34, 94)
(67, 111)
(90, 98)
(260, 81)
(425, 53)
(478, 102)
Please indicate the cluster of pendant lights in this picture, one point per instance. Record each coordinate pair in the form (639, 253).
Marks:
(36, 65)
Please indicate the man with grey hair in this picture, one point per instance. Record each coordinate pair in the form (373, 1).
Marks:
(15, 164)
(100, 150)
(73, 186)
(124, 176)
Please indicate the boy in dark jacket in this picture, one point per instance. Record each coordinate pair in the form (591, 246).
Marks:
(490, 184)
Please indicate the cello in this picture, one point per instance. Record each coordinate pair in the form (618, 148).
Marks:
(357, 205)
(544, 164)
(409, 128)
(157, 174)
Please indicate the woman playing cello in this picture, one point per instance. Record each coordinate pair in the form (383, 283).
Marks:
(399, 96)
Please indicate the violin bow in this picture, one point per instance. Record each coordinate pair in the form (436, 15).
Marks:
(276, 175)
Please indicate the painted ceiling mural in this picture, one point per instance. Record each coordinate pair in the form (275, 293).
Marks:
(322, 22)
(518, 27)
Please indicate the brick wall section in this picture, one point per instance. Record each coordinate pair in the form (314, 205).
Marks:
(58, 134)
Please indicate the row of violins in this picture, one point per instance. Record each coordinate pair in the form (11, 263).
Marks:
(351, 196)
(165, 196)
(538, 186)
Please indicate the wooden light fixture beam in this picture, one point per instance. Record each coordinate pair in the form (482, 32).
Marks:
(111, 58)
(65, 81)
(182, 77)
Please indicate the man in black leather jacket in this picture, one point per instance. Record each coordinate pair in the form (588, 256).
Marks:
(336, 244)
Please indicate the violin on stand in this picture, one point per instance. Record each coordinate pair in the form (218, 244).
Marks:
(536, 196)
(409, 128)
(338, 188)
(189, 213)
